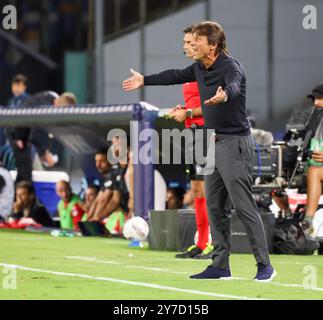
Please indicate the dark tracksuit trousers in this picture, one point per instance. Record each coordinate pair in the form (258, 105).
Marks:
(232, 180)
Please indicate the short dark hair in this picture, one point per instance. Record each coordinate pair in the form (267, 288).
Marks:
(20, 78)
(178, 192)
(94, 187)
(66, 184)
(102, 151)
(214, 33)
(26, 185)
(189, 29)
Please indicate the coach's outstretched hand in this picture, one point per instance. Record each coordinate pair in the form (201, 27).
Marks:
(219, 97)
(133, 83)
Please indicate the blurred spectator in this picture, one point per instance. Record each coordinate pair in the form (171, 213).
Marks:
(129, 180)
(175, 198)
(3, 138)
(188, 201)
(69, 207)
(121, 150)
(41, 141)
(91, 193)
(18, 137)
(315, 170)
(6, 193)
(21, 138)
(19, 91)
(160, 188)
(7, 157)
(65, 99)
(28, 206)
(112, 198)
(39, 137)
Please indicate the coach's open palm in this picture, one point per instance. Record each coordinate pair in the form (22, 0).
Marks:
(219, 97)
(133, 83)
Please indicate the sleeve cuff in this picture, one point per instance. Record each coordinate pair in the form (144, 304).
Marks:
(227, 93)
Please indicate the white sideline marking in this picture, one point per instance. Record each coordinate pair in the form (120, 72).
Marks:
(27, 239)
(156, 269)
(177, 272)
(91, 259)
(132, 283)
(135, 267)
(299, 263)
(295, 286)
(82, 258)
(96, 260)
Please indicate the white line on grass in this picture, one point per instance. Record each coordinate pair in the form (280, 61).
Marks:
(27, 239)
(299, 263)
(156, 269)
(292, 285)
(132, 283)
(295, 286)
(96, 260)
(92, 259)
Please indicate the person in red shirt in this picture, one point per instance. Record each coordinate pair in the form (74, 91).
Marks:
(191, 114)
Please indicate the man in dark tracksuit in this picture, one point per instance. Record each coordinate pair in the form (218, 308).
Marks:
(18, 137)
(21, 138)
(225, 113)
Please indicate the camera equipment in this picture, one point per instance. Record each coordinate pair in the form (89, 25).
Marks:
(283, 164)
(267, 162)
(300, 129)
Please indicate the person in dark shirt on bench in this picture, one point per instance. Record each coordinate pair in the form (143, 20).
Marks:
(28, 206)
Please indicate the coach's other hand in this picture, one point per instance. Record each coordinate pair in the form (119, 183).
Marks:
(179, 115)
(178, 107)
(133, 83)
(220, 96)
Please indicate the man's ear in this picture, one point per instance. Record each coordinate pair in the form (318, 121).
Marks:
(214, 47)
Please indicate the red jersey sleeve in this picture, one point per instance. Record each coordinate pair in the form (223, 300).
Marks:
(192, 100)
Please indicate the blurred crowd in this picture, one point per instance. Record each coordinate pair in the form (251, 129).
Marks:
(109, 203)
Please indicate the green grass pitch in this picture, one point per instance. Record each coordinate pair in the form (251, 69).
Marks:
(100, 268)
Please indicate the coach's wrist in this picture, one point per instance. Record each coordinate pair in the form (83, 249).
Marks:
(189, 113)
(226, 96)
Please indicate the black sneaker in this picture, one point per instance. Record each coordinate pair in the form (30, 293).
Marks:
(265, 273)
(212, 272)
(191, 252)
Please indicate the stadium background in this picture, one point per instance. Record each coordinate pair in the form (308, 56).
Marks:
(268, 37)
(280, 56)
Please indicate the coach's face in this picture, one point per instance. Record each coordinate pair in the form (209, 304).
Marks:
(188, 45)
(318, 102)
(202, 48)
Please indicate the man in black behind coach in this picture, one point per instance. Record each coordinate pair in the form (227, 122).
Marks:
(225, 113)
